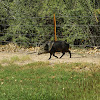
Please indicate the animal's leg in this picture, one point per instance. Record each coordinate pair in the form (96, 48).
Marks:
(69, 53)
(50, 56)
(54, 55)
(63, 53)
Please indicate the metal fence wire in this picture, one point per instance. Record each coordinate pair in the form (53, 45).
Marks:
(21, 27)
(71, 35)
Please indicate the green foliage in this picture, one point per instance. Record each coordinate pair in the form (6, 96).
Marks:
(31, 21)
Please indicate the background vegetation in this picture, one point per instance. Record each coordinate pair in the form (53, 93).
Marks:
(28, 22)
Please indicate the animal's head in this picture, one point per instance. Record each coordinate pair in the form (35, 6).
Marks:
(45, 48)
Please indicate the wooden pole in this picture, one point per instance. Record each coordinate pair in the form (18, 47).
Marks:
(55, 28)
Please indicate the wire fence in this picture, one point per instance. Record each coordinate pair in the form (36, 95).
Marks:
(79, 43)
(41, 36)
(38, 43)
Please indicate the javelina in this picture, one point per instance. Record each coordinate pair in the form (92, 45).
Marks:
(56, 46)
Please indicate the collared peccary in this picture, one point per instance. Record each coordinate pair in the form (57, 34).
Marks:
(56, 46)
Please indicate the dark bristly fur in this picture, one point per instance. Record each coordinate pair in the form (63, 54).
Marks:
(56, 46)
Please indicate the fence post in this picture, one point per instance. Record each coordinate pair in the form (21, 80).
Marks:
(55, 37)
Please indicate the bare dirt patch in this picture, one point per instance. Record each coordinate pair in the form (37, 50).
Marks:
(77, 57)
(12, 53)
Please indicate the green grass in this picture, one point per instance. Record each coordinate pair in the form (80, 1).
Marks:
(44, 81)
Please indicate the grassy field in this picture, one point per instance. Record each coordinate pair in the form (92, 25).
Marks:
(45, 81)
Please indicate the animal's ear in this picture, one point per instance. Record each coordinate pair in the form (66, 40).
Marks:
(50, 45)
(46, 47)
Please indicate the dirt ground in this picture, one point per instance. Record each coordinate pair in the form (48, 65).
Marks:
(33, 57)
